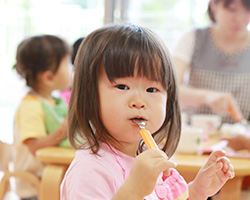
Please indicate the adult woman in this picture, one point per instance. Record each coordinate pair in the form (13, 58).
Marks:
(216, 58)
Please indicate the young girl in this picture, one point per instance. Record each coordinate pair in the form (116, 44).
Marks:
(124, 73)
(43, 61)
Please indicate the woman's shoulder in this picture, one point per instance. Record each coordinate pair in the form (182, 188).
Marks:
(185, 46)
(202, 32)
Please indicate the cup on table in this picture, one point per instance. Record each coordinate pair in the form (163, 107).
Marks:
(190, 140)
(184, 119)
(209, 123)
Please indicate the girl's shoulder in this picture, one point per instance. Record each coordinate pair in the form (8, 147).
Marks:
(91, 170)
(85, 155)
(30, 103)
(31, 97)
(105, 163)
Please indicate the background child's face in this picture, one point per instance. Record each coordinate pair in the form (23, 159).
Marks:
(129, 98)
(62, 78)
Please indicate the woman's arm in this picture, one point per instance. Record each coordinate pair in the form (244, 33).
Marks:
(188, 96)
(194, 97)
(238, 142)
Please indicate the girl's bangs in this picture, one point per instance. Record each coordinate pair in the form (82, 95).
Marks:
(135, 57)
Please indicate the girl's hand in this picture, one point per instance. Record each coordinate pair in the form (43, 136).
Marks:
(212, 176)
(62, 134)
(145, 171)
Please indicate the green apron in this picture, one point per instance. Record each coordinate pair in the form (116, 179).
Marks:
(54, 116)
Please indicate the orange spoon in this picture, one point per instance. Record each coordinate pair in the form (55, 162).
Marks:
(146, 135)
(149, 141)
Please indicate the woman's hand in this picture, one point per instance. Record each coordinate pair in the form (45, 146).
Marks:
(143, 175)
(238, 142)
(212, 176)
(223, 102)
(218, 102)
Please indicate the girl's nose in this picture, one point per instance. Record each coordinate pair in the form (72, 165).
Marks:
(137, 102)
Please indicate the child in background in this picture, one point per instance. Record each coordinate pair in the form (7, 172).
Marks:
(76, 46)
(124, 73)
(65, 94)
(43, 61)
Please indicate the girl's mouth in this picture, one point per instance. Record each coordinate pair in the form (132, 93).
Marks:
(137, 119)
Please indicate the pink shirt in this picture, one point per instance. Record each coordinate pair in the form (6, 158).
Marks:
(99, 177)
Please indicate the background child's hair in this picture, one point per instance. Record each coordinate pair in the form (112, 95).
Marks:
(38, 54)
(122, 50)
(76, 46)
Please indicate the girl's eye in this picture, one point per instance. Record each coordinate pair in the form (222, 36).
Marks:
(151, 90)
(122, 87)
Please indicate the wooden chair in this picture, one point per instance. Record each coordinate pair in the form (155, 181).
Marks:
(18, 174)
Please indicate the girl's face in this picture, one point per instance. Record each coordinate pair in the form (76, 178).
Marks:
(62, 78)
(232, 19)
(127, 99)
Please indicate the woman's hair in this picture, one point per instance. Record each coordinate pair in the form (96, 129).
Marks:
(246, 4)
(122, 50)
(38, 54)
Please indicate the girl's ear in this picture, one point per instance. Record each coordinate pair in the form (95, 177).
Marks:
(47, 77)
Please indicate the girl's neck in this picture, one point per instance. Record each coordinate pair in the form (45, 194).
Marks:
(43, 93)
(229, 43)
(128, 149)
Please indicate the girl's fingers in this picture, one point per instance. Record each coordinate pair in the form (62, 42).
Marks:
(169, 164)
(227, 166)
(160, 160)
(226, 162)
(230, 172)
(212, 169)
(214, 156)
(166, 164)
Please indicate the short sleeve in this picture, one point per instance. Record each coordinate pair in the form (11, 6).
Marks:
(91, 179)
(30, 120)
(185, 47)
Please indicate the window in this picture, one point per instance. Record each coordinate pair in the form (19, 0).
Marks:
(72, 19)
(69, 19)
(168, 18)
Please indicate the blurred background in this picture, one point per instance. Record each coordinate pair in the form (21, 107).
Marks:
(71, 19)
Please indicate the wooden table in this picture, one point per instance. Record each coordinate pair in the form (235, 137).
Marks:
(57, 160)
